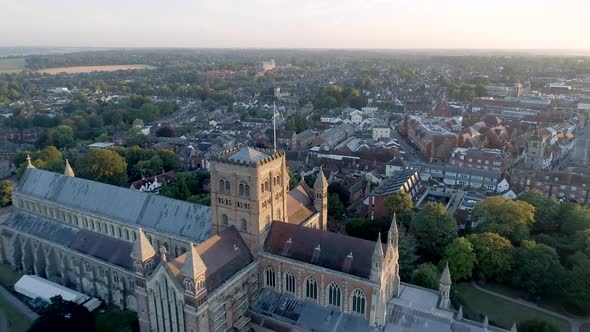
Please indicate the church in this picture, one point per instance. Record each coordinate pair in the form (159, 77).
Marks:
(259, 259)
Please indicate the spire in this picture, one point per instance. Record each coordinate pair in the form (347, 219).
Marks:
(393, 234)
(142, 248)
(68, 171)
(460, 313)
(378, 252)
(445, 278)
(320, 181)
(193, 265)
(486, 322)
(513, 329)
(29, 165)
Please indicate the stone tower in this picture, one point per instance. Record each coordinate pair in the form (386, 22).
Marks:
(392, 260)
(143, 255)
(248, 190)
(444, 289)
(320, 198)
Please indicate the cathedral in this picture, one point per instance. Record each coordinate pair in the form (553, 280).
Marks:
(259, 259)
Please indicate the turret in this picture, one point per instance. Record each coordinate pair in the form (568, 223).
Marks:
(193, 271)
(444, 289)
(377, 260)
(142, 254)
(320, 198)
(68, 171)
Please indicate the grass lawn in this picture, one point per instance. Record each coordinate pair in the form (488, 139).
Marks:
(12, 65)
(113, 319)
(501, 311)
(585, 328)
(16, 321)
(8, 277)
(519, 294)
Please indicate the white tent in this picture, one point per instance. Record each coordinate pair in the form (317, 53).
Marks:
(34, 286)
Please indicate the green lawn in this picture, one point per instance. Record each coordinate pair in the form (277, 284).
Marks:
(8, 277)
(113, 319)
(585, 328)
(500, 311)
(549, 304)
(16, 321)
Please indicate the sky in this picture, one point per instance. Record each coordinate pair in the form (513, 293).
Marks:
(384, 24)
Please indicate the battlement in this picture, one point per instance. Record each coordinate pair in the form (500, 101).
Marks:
(246, 156)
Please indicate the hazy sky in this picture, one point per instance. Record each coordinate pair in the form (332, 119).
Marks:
(297, 23)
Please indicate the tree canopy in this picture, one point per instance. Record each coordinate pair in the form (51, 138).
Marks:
(62, 315)
(461, 258)
(546, 211)
(434, 229)
(5, 193)
(537, 325)
(426, 275)
(536, 269)
(494, 254)
(402, 205)
(103, 165)
(504, 216)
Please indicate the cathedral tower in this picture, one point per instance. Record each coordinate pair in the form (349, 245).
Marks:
(320, 198)
(248, 190)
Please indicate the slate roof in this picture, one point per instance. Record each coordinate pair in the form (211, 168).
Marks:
(334, 248)
(162, 214)
(220, 256)
(305, 315)
(248, 154)
(100, 246)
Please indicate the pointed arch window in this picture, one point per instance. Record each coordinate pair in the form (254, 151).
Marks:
(247, 191)
(137, 266)
(201, 284)
(221, 185)
(241, 190)
(334, 294)
(358, 301)
(227, 186)
(311, 288)
(225, 220)
(269, 277)
(244, 225)
(289, 282)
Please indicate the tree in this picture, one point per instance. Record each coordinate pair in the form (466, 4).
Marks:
(407, 248)
(434, 229)
(536, 268)
(574, 217)
(5, 193)
(341, 190)
(181, 190)
(62, 136)
(335, 206)
(65, 316)
(504, 216)
(546, 211)
(298, 123)
(577, 289)
(461, 258)
(402, 205)
(480, 90)
(170, 161)
(537, 325)
(426, 275)
(494, 254)
(166, 131)
(103, 165)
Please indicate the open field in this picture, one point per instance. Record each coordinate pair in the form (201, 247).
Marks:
(501, 311)
(90, 69)
(12, 65)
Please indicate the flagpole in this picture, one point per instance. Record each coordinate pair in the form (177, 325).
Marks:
(274, 125)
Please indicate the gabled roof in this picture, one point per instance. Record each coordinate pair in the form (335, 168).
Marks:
(170, 216)
(333, 248)
(299, 204)
(248, 154)
(223, 255)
